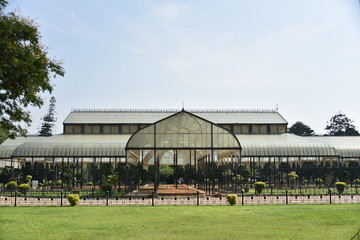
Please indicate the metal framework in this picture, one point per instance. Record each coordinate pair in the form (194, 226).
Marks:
(185, 140)
(205, 154)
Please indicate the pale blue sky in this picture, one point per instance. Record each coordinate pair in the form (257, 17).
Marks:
(303, 55)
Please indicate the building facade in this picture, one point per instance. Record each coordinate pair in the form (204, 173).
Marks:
(205, 148)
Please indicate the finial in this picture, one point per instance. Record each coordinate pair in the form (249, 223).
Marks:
(183, 106)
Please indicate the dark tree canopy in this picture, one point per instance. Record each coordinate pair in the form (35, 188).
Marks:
(301, 129)
(340, 125)
(49, 119)
(25, 71)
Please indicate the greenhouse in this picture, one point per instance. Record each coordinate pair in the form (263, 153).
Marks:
(205, 150)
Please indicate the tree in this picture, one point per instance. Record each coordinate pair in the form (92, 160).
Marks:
(49, 120)
(340, 125)
(300, 129)
(26, 71)
(3, 136)
(166, 172)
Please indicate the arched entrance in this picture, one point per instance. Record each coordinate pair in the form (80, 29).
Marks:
(200, 152)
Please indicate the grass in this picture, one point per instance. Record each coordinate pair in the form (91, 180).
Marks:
(181, 222)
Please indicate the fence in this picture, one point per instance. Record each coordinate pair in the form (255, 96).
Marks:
(61, 200)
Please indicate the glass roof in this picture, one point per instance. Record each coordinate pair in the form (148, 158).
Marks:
(346, 146)
(151, 116)
(7, 148)
(73, 146)
(183, 130)
(284, 145)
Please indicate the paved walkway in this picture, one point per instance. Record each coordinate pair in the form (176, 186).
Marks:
(193, 200)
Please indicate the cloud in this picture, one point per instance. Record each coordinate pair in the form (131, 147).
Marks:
(168, 12)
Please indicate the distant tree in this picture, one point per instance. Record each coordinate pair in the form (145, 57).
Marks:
(301, 129)
(49, 120)
(340, 125)
(25, 70)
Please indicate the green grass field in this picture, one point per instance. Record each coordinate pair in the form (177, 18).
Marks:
(181, 222)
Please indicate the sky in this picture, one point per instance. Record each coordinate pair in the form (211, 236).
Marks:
(302, 56)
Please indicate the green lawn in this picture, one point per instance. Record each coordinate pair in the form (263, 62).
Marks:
(181, 222)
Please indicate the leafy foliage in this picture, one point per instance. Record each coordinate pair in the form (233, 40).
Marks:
(259, 186)
(301, 129)
(73, 199)
(293, 175)
(3, 136)
(238, 179)
(28, 178)
(340, 125)
(49, 120)
(25, 71)
(340, 186)
(166, 172)
(12, 185)
(23, 188)
(107, 187)
(232, 199)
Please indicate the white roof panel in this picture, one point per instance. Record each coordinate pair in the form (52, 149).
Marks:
(151, 116)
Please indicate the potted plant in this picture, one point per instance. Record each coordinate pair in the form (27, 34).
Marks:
(340, 186)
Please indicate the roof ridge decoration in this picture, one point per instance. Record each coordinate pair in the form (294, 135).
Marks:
(179, 110)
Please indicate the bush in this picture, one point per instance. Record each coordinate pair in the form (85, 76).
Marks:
(58, 182)
(90, 184)
(107, 187)
(357, 181)
(340, 186)
(49, 183)
(259, 186)
(293, 176)
(232, 199)
(11, 185)
(73, 199)
(28, 178)
(318, 181)
(23, 188)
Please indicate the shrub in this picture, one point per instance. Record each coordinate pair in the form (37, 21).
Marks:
(357, 181)
(318, 181)
(12, 185)
(292, 175)
(232, 199)
(237, 179)
(340, 186)
(259, 186)
(23, 188)
(90, 184)
(49, 183)
(28, 178)
(107, 187)
(58, 182)
(73, 199)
